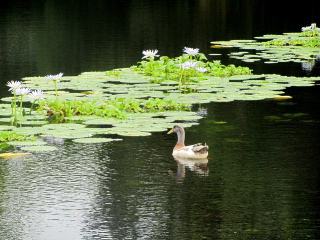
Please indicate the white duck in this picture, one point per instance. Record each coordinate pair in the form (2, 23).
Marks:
(196, 151)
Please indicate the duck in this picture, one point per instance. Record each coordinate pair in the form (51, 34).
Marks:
(196, 151)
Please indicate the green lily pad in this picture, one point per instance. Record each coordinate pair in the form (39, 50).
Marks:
(67, 134)
(32, 123)
(132, 133)
(95, 140)
(27, 143)
(39, 148)
(4, 127)
(101, 121)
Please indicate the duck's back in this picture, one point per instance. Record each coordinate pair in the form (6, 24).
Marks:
(196, 151)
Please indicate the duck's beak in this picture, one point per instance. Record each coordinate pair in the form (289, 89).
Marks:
(171, 131)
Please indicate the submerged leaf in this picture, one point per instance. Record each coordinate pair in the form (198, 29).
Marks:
(13, 155)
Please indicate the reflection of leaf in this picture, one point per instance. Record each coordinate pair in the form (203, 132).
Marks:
(272, 118)
(287, 117)
(295, 115)
(233, 140)
(13, 155)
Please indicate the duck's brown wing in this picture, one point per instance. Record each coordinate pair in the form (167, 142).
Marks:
(199, 148)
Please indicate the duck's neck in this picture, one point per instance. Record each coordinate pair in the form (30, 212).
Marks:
(181, 137)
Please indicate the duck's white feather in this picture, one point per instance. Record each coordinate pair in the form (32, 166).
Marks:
(192, 151)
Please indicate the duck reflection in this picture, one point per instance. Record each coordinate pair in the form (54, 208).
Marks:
(199, 166)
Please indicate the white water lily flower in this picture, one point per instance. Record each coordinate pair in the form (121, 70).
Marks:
(150, 53)
(191, 51)
(54, 77)
(313, 27)
(201, 69)
(13, 85)
(188, 65)
(22, 91)
(36, 95)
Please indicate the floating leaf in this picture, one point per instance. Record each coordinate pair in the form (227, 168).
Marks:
(26, 143)
(39, 148)
(4, 127)
(95, 140)
(281, 98)
(13, 155)
(132, 133)
(32, 123)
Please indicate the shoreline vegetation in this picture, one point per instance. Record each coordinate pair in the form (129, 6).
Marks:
(136, 101)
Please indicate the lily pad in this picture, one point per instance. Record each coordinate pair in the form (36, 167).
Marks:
(32, 123)
(27, 143)
(4, 127)
(95, 140)
(39, 148)
(13, 155)
(132, 133)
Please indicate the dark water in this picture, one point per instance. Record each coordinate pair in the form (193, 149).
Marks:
(262, 178)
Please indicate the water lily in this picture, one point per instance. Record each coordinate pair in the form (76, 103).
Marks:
(56, 77)
(22, 91)
(191, 51)
(13, 85)
(151, 54)
(312, 28)
(201, 69)
(188, 65)
(36, 95)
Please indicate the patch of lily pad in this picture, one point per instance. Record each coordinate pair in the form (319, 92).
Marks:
(277, 48)
(131, 92)
(39, 148)
(210, 89)
(95, 140)
(26, 143)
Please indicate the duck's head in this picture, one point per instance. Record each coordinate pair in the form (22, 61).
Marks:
(177, 129)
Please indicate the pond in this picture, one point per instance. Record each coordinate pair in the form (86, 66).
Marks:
(261, 180)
